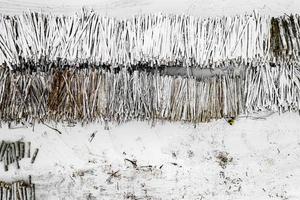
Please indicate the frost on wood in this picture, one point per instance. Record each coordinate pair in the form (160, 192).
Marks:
(171, 67)
(153, 39)
(92, 94)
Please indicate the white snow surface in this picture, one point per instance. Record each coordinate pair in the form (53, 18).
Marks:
(174, 160)
(127, 8)
(184, 160)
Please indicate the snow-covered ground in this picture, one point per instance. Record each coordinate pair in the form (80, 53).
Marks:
(256, 158)
(127, 8)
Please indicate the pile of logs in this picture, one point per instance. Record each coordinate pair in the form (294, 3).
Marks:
(87, 95)
(172, 67)
(13, 152)
(284, 37)
(150, 38)
(19, 190)
(154, 39)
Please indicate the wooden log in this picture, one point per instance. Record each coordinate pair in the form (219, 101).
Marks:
(22, 149)
(15, 158)
(1, 192)
(33, 191)
(28, 149)
(6, 162)
(19, 191)
(13, 191)
(1, 146)
(34, 155)
(2, 152)
(27, 193)
(4, 194)
(9, 194)
(9, 154)
(17, 149)
(25, 197)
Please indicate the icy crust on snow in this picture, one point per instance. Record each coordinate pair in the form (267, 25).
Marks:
(256, 158)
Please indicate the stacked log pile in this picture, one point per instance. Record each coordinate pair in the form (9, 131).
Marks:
(173, 67)
(153, 39)
(17, 190)
(91, 94)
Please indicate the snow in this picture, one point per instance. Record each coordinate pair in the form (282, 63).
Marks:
(174, 160)
(126, 8)
(184, 160)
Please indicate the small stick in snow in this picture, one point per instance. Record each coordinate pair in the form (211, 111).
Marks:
(92, 136)
(17, 150)
(14, 155)
(55, 129)
(112, 175)
(106, 127)
(6, 161)
(2, 151)
(133, 162)
(2, 145)
(28, 149)
(34, 155)
(22, 149)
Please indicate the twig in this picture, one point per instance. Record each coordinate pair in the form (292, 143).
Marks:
(55, 129)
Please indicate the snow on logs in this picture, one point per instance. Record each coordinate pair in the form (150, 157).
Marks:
(153, 39)
(172, 67)
(17, 190)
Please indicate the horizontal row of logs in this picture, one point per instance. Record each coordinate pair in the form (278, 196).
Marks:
(87, 95)
(151, 38)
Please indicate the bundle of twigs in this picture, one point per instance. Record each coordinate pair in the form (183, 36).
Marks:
(284, 36)
(153, 39)
(17, 190)
(93, 94)
(173, 67)
(13, 152)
